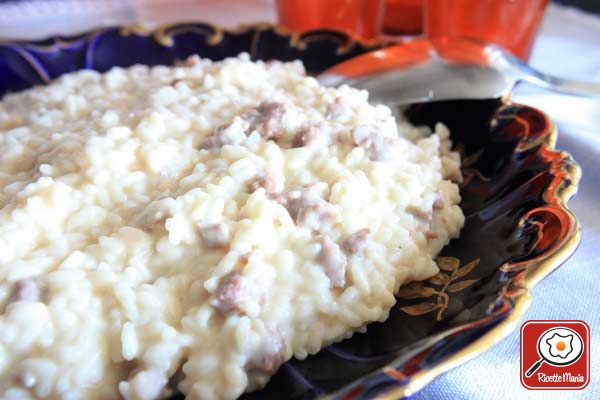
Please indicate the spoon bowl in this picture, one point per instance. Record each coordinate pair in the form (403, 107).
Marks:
(421, 70)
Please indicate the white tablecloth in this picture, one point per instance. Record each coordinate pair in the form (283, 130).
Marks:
(568, 45)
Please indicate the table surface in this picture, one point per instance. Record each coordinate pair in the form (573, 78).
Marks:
(567, 46)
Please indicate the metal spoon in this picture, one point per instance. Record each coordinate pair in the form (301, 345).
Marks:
(421, 71)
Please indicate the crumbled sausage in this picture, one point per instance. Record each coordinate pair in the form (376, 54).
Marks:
(338, 109)
(439, 201)
(226, 299)
(215, 141)
(267, 119)
(26, 290)
(241, 293)
(144, 384)
(215, 235)
(278, 197)
(271, 352)
(333, 260)
(308, 209)
(376, 145)
(356, 242)
(245, 258)
(224, 135)
(431, 235)
(420, 213)
(297, 198)
(304, 136)
(344, 138)
(379, 148)
(313, 215)
(266, 181)
(426, 218)
(307, 135)
(294, 200)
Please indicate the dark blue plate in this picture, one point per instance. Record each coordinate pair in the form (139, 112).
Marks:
(518, 227)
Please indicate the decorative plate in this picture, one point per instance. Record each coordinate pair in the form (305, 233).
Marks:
(518, 226)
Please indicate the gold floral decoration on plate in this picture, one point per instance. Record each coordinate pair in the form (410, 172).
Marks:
(448, 280)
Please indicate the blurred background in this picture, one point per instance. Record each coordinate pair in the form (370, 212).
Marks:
(39, 18)
(563, 21)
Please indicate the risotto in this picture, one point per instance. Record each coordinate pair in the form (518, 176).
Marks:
(191, 228)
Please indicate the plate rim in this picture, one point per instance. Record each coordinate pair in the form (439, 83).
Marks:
(533, 273)
(535, 270)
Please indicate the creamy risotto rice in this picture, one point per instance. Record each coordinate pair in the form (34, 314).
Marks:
(191, 228)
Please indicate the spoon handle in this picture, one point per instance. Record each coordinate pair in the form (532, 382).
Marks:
(562, 85)
(524, 72)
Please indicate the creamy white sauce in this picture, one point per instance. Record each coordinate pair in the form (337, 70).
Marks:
(206, 221)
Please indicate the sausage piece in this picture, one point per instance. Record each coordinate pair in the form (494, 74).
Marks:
(309, 134)
(377, 146)
(267, 181)
(439, 201)
(333, 260)
(226, 299)
(215, 235)
(356, 242)
(338, 109)
(26, 290)
(227, 134)
(267, 119)
(308, 209)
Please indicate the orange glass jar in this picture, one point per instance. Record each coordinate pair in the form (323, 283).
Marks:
(403, 17)
(512, 24)
(361, 18)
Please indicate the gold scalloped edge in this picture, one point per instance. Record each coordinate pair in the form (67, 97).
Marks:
(535, 272)
(163, 34)
(57, 44)
(298, 40)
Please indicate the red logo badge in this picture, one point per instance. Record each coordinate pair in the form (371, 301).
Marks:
(555, 354)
